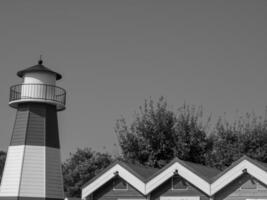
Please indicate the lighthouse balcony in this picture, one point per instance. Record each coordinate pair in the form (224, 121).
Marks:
(39, 93)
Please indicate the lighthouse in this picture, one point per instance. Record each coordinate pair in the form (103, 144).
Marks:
(33, 166)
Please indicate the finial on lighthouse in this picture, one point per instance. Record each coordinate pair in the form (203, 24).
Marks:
(40, 62)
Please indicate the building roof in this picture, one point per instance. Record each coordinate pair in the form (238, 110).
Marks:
(257, 163)
(244, 165)
(147, 173)
(38, 68)
(207, 179)
(206, 172)
(143, 172)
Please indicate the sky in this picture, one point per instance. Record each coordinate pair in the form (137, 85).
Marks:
(115, 54)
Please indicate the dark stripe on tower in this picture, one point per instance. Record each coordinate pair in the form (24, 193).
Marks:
(53, 177)
(36, 124)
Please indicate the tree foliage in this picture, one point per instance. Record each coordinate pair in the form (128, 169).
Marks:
(246, 136)
(159, 134)
(2, 162)
(81, 167)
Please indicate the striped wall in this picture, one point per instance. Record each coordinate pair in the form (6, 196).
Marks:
(33, 165)
(32, 171)
(12, 171)
(54, 180)
(20, 126)
(36, 124)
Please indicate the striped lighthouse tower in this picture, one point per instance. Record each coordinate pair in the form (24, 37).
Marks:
(33, 166)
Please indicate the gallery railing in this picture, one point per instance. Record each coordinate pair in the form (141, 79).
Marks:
(37, 91)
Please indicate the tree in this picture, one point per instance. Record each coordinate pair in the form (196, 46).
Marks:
(2, 162)
(157, 135)
(192, 143)
(81, 167)
(246, 136)
(226, 145)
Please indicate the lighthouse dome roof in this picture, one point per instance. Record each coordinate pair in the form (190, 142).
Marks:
(38, 68)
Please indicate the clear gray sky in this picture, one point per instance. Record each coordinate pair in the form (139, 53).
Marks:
(114, 54)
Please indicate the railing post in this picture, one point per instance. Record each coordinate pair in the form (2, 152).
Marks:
(10, 95)
(46, 92)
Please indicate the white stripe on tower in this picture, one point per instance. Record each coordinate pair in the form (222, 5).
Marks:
(33, 172)
(12, 171)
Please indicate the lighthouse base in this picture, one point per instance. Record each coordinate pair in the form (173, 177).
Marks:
(32, 172)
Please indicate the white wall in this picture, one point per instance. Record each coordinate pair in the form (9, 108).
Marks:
(40, 78)
(38, 88)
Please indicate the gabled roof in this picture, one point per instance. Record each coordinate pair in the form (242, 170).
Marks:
(203, 171)
(206, 172)
(259, 164)
(207, 179)
(143, 172)
(196, 174)
(245, 164)
(38, 68)
(148, 177)
(117, 168)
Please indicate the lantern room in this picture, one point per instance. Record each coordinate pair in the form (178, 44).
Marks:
(39, 85)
